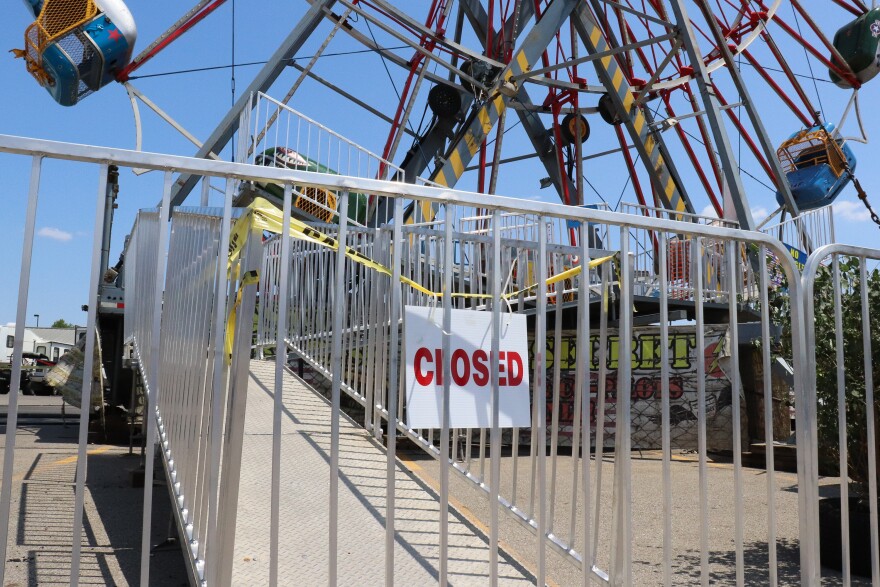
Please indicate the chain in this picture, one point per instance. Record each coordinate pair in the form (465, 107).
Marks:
(861, 193)
(864, 198)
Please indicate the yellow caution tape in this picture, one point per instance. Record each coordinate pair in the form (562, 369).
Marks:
(265, 216)
(250, 278)
(563, 276)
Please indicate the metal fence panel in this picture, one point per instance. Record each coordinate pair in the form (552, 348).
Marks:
(632, 353)
(705, 414)
(842, 281)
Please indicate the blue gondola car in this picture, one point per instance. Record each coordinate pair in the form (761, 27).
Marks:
(817, 166)
(76, 47)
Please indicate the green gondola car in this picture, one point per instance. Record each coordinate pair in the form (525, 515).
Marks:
(859, 44)
(316, 202)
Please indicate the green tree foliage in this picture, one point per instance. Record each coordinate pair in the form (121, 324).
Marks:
(853, 363)
(62, 323)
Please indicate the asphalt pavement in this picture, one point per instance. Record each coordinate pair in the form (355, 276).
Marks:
(647, 516)
(42, 507)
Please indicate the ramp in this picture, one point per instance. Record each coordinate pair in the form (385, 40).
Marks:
(305, 482)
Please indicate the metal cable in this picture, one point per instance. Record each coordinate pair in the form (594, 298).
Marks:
(248, 63)
(797, 23)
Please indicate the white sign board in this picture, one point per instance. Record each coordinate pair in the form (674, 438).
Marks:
(470, 388)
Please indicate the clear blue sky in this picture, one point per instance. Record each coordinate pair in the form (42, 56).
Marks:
(198, 100)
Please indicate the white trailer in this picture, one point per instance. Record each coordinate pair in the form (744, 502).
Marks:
(7, 341)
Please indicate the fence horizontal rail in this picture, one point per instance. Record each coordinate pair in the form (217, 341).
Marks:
(128, 158)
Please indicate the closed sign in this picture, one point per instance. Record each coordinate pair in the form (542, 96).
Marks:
(470, 385)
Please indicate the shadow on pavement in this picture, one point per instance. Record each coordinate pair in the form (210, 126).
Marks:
(44, 496)
(755, 566)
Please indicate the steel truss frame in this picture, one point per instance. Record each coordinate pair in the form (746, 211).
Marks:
(451, 144)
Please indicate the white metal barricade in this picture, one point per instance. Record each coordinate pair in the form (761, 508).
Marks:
(841, 288)
(659, 369)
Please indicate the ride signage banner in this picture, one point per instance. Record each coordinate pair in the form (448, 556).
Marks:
(799, 256)
(470, 387)
(646, 386)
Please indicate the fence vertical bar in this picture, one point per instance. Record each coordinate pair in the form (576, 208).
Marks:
(495, 438)
(221, 297)
(371, 324)
(520, 283)
(88, 363)
(580, 352)
(153, 370)
(697, 282)
(381, 343)
(206, 190)
(540, 398)
(601, 393)
(278, 406)
(805, 414)
(732, 249)
(339, 308)
(666, 443)
(475, 281)
(770, 463)
(249, 261)
(554, 414)
(843, 462)
(448, 259)
(266, 276)
(621, 550)
(584, 361)
(482, 450)
(393, 381)
(869, 413)
(18, 344)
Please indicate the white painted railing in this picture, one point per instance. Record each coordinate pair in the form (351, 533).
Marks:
(344, 319)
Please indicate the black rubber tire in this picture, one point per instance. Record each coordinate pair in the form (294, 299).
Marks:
(608, 110)
(444, 101)
(568, 129)
(43, 389)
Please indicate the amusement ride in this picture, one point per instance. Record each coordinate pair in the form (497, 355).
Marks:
(655, 89)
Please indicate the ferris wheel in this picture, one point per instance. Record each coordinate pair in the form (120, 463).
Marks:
(654, 87)
(672, 95)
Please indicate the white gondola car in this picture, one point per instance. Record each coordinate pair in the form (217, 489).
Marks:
(76, 47)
